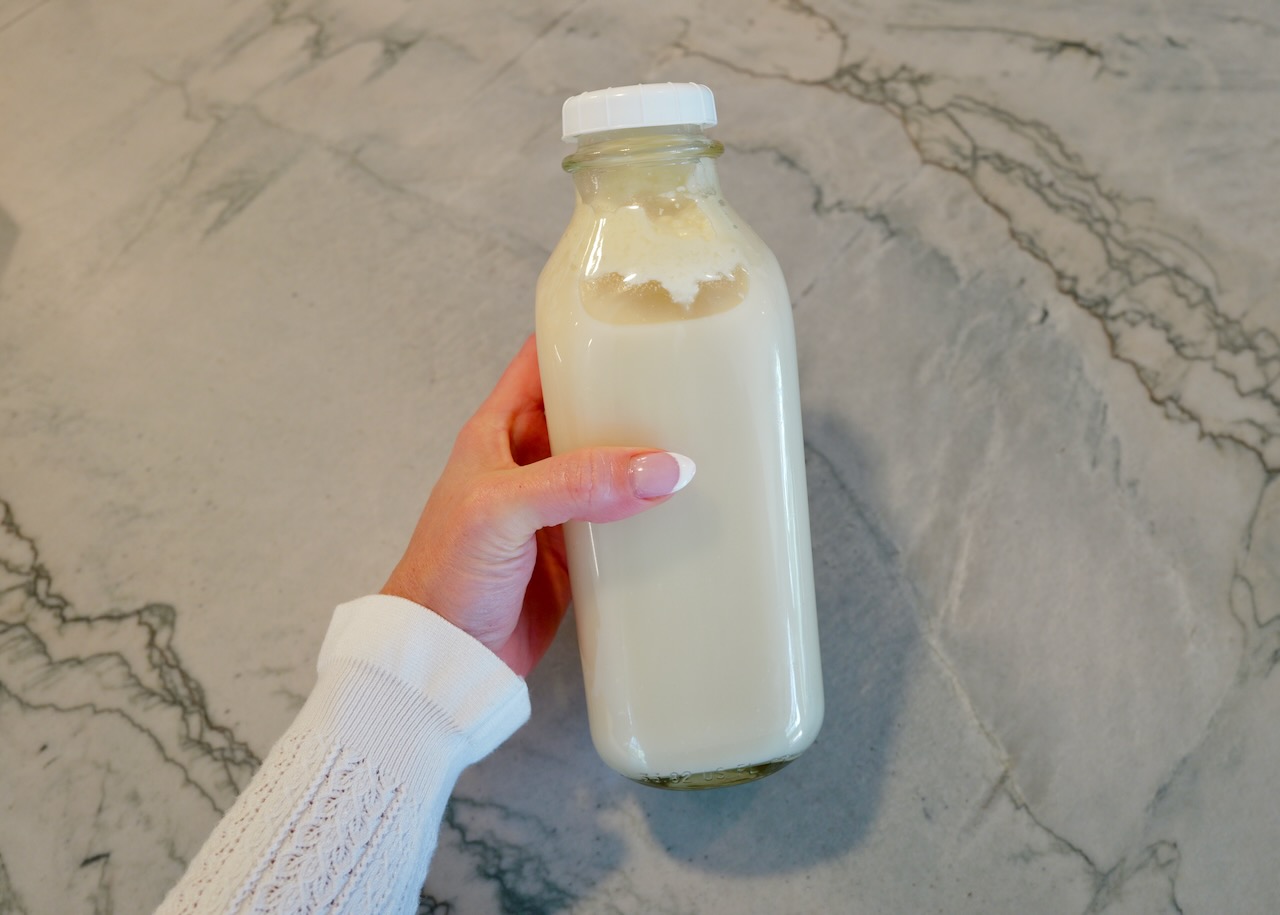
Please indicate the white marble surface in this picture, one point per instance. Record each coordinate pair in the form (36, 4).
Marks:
(258, 261)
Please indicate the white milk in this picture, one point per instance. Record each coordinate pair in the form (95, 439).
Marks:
(696, 619)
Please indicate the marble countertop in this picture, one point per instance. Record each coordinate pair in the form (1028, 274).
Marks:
(259, 261)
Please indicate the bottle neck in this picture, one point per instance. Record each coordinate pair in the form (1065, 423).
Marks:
(619, 166)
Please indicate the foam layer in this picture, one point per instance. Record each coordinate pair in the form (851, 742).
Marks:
(677, 242)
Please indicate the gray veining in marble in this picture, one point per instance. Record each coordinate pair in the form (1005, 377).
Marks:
(259, 261)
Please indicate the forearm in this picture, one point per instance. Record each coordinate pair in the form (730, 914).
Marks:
(345, 811)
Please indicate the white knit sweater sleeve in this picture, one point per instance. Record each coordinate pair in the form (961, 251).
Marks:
(344, 813)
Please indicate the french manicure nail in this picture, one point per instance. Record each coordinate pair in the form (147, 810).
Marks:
(660, 473)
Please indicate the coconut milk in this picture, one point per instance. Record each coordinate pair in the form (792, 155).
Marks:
(664, 322)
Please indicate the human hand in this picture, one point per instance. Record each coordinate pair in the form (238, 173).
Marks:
(488, 553)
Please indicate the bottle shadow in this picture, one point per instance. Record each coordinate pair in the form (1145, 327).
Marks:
(8, 240)
(826, 801)
(543, 821)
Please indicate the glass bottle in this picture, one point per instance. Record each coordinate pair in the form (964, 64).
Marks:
(663, 321)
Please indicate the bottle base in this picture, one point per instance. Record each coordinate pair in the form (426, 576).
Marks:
(717, 778)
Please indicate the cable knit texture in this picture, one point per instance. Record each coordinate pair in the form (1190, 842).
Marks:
(344, 813)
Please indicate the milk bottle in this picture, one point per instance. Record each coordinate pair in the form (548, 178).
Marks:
(663, 321)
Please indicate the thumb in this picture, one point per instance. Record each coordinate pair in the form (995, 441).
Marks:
(593, 484)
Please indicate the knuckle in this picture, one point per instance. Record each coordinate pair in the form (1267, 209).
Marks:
(475, 432)
(478, 509)
(589, 479)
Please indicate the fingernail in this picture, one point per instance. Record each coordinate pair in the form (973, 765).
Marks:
(660, 473)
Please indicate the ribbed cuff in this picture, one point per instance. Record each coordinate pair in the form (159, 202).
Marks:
(398, 678)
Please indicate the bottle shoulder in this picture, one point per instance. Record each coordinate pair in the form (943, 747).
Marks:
(701, 234)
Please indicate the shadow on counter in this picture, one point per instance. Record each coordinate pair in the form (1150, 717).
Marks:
(825, 802)
(542, 824)
(8, 239)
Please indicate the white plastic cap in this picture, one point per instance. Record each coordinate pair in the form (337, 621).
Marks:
(645, 105)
